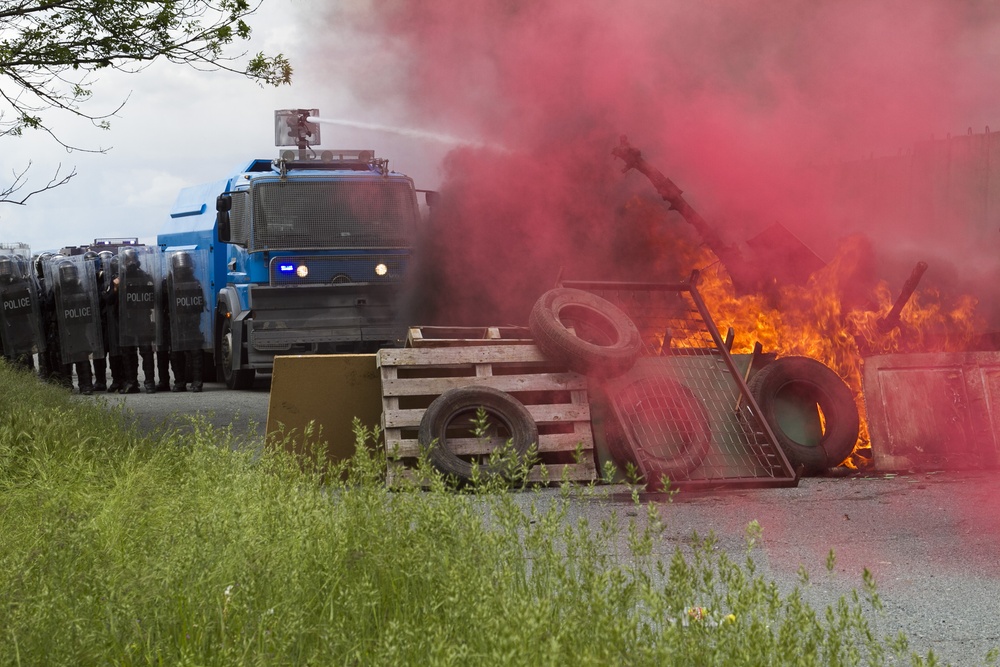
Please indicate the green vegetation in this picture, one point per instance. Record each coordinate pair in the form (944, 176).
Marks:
(51, 50)
(123, 549)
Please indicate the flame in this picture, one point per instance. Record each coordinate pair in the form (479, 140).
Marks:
(812, 321)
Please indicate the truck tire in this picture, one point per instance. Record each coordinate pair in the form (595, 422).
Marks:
(235, 379)
(810, 409)
(456, 406)
(606, 342)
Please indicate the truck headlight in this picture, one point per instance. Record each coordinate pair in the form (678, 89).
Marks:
(302, 271)
(381, 269)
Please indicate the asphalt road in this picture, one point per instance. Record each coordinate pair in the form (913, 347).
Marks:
(244, 411)
(932, 540)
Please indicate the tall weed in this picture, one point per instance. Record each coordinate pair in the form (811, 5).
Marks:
(119, 548)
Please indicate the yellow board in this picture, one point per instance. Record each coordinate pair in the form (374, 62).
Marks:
(328, 390)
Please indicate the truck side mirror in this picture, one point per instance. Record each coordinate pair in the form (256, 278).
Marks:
(223, 204)
(432, 198)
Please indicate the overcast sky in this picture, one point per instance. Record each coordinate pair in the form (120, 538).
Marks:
(183, 127)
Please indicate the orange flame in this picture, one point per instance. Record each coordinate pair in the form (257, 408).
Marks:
(812, 321)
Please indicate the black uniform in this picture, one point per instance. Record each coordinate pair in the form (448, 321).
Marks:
(50, 365)
(137, 334)
(77, 321)
(184, 305)
(18, 314)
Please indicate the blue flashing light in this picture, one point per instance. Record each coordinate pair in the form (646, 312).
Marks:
(286, 268)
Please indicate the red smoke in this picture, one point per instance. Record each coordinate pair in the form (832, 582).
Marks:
(731, 100)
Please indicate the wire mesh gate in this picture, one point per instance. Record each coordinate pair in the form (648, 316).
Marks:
(684, 411)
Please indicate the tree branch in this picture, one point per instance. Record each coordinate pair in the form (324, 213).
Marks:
(20, 181)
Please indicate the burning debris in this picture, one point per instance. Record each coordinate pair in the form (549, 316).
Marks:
(816, 318)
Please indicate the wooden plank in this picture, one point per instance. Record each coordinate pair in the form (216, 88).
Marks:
(508, 383)
(424, 337)
(511, 369)
(442, 356)
(326, 391)
(542, 414)
(389, 403)
(547, 444)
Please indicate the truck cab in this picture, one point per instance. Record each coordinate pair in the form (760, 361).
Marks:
(308, 254)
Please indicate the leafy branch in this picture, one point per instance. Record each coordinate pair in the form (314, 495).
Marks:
(50, 50)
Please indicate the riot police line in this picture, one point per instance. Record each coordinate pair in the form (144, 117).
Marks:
(107, 313)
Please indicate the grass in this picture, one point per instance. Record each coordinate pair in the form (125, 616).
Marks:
(118, 548)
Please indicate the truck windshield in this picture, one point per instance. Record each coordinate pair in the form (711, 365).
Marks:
(333, 214)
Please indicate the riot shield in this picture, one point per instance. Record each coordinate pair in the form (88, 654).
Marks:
(139, 311)
(187, 287)
(19, 314)
(77, 309)
(109, 303)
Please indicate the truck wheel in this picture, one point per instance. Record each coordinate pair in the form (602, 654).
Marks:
(235, 379)
(810, 409)
(605, 342)
(449, 414)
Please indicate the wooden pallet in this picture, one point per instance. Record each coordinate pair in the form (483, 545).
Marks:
(555, 397)
(466, 336)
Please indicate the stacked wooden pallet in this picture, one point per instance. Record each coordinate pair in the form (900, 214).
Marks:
(465, 336)
(555, 397)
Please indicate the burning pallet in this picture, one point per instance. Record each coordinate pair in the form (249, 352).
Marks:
(556, 399)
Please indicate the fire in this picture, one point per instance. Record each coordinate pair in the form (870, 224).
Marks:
(812, 320)
(840, 315)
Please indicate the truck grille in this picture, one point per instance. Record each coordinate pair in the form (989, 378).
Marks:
(336, 270)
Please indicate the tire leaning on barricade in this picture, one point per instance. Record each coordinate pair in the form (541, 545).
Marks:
(666, 434)
(810, 409)
(604, 341)
(501, 409)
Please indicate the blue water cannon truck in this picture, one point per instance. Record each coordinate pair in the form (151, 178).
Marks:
(308, 252)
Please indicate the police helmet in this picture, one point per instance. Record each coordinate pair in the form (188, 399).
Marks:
(181, 262)
(130, 259)
(36, 265)
(102, 263)
(40, 261)
(7, 268)
(22, 266)
(68, 273)
(90, 255)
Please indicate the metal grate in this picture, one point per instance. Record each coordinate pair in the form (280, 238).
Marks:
(239, 218)
(684, 410)
(337, 269)
(319, 213)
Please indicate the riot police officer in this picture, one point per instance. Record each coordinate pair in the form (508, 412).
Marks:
(185, 307)
(135, 289)
(100, 359)
(19, 313)
(77, 321)
(50, 364)
(109, 320)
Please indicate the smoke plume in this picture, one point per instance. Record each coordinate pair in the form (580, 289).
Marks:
(745, 105)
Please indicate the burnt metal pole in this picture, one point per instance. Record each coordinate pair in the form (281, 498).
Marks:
(729, 255)
(891, 320)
